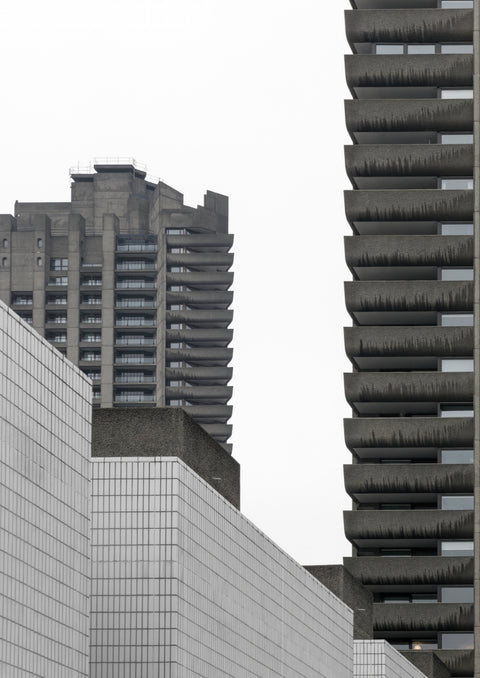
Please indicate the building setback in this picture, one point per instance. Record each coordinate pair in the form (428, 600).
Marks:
(132, 286)
(412, 299)
(45, 426)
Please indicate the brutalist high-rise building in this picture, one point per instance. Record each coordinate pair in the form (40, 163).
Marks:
(414, 209)
(132, 286)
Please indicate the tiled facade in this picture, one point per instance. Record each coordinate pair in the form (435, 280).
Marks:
(183, 585)
(378, 659)
(45, 411)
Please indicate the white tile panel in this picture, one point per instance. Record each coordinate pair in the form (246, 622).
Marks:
(378, 659)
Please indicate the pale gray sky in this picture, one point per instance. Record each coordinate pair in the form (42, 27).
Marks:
(244, 98)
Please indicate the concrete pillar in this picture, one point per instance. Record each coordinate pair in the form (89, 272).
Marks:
(110, 230)
(41, 267)
(76, 229)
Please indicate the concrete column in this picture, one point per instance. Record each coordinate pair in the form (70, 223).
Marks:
(476, 316)
(6, 225)
(41, 266)
(76, 228)
(110, 229)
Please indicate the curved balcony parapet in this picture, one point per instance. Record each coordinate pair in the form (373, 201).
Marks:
(408, 341)
(208, 336)
(409, 25)
(220, 432)
(221, 241)
(199, 373)
(408, 432)
(211, 279)
(408, 295)
(406, 115)
(403, 478)
(409, 205)
(422, 70)
(220, 394)
(420, 524)
(201, 317)
(396, 160)
(200, 356)
(420, 617)
(192, 259)
(458, 662)
(219, 414)
(201, 298)
(423, 570)
(401, 387)
(409, 250)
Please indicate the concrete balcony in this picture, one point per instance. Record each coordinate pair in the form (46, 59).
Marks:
(200, 356)
(406, 115)
(408, 341)
(405, 387)
(414, 70)
(200, 375)
(420, 617)
(409, 295)
(201, 298)
(216, 242)
(408, 526)
(423, 570)
(204, 318)
(409, 25)
(220, 432)
(210, 414)
(408, 250)
(408, 432)
(219, 261)
(200, 394)
(209, 337)
(398, 479)
(201, 281)
(458, 662)
(409, 205)
(409, 160)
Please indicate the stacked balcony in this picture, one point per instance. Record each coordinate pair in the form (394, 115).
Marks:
(198, 331)
(411, 304)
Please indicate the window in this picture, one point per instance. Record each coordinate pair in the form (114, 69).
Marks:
(39, 243)
(456, 548)
(175, 231)
(465, 410)
(60, 299)
(91, 280)
(59, 264)
(59, 280)
(456, 229)
(456, 594)
(457, 502)
(456, 641)
(420, 49)
(5, 243)
(39, 261)
(456, 456)
(91, 318)
(456, 49)
(456, 274)
(458, 138)
(4, 262)
(58, 337)
(388, 49)
(456, 94)
(96, 393)
(465, 183)
(22, 299)
(92, 300)
(456, 4)
(57, 319)
(92, 337)
(456, 319)
(94, 375)
(456, 365)
(91, 355)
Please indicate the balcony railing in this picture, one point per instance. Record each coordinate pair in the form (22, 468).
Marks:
(136, 247)
(135, 284)
(135, 398)
(135, 266)
(135, 379)
(135, 303)
(135, 322)
(126, 341)
(134, 360)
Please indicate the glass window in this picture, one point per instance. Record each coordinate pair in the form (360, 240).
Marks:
(456, 456)
(457, 184)
(5, 242)
(456, 319)
(457, 502)
(59, 280)
(58, 264)
(456, 229)
(423, 645)
(456, 411)
(456, 94)
(39, 261)
(4, 262)
(39, 243)
(460, 138)
(456, 49)
(456, 594)
(456, 641)
(456, 4)
(456, 274)
(420, 49)
(388, 49)
(456, 365)
(456, 548)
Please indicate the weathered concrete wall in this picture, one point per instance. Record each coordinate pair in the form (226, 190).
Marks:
(402, 478)
(409, 250)
(367, 70)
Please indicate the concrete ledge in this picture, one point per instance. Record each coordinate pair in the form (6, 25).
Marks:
(406, 478)
(409, 25)
(409, 295)
(366, 387)
(458, 662)
(409, 205)
(418, 617)
(165, 432)
(427, 662)
(409, 250)
(423, 570)
(420, 524)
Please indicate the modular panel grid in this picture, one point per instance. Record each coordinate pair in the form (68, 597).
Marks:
(378, 659)
(183, 585)
(45, 412)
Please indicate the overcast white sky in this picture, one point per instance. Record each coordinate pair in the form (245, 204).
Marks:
(244, 98)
